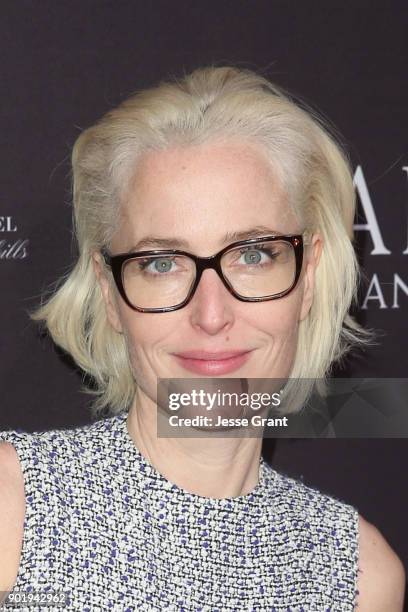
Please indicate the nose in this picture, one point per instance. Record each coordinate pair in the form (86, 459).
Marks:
(211, 307)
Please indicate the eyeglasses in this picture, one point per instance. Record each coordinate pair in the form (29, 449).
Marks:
(254, 270)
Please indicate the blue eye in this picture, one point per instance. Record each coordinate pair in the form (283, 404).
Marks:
(253, 256)
(159, 265)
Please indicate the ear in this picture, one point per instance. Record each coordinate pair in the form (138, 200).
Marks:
(107, 289)
(311, 263)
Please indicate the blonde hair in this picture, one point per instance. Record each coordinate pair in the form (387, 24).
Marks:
(210, 103)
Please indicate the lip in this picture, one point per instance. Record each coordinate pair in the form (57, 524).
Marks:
(212, 363)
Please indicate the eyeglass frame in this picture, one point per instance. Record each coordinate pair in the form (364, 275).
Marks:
(212, 262)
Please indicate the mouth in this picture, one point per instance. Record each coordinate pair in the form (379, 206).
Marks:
(212, 363)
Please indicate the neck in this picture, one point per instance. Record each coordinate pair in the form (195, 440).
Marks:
(207, 466)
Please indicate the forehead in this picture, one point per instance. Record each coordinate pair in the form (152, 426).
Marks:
(201, 192)
(174, 170)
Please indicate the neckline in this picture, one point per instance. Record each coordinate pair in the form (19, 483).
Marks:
(147, 470)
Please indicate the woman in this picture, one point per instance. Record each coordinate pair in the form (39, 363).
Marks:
(117, 517)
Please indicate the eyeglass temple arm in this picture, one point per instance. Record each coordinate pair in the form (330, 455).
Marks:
(106, 256)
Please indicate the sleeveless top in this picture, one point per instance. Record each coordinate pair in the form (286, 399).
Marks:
(106, 528)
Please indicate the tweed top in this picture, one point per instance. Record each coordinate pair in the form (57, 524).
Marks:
(104, 526)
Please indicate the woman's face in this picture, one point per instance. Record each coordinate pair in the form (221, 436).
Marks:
(198, 195)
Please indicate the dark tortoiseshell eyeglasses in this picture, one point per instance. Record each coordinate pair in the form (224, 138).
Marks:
(253, 270)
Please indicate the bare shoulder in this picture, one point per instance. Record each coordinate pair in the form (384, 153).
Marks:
(381, 575)
(12, 512)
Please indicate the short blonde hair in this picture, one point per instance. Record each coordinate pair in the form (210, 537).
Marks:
(210, 103)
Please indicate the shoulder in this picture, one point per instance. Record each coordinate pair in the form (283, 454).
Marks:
(12, 512)
(311, 502)
(381, 575)
(46, 447)
(11, 476)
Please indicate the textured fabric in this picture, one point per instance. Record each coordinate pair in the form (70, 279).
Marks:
(105, 526)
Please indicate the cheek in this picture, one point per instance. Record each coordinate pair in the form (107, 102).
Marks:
(279, 318)
(277, 325)
(143, 334)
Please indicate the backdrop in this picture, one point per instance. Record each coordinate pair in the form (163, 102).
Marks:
(64, 63)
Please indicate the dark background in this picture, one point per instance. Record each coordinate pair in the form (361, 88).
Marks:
(64, 63)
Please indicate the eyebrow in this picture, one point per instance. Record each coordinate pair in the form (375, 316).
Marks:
(174, 243)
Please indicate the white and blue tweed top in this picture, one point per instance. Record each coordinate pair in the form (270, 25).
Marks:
(104, 526)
